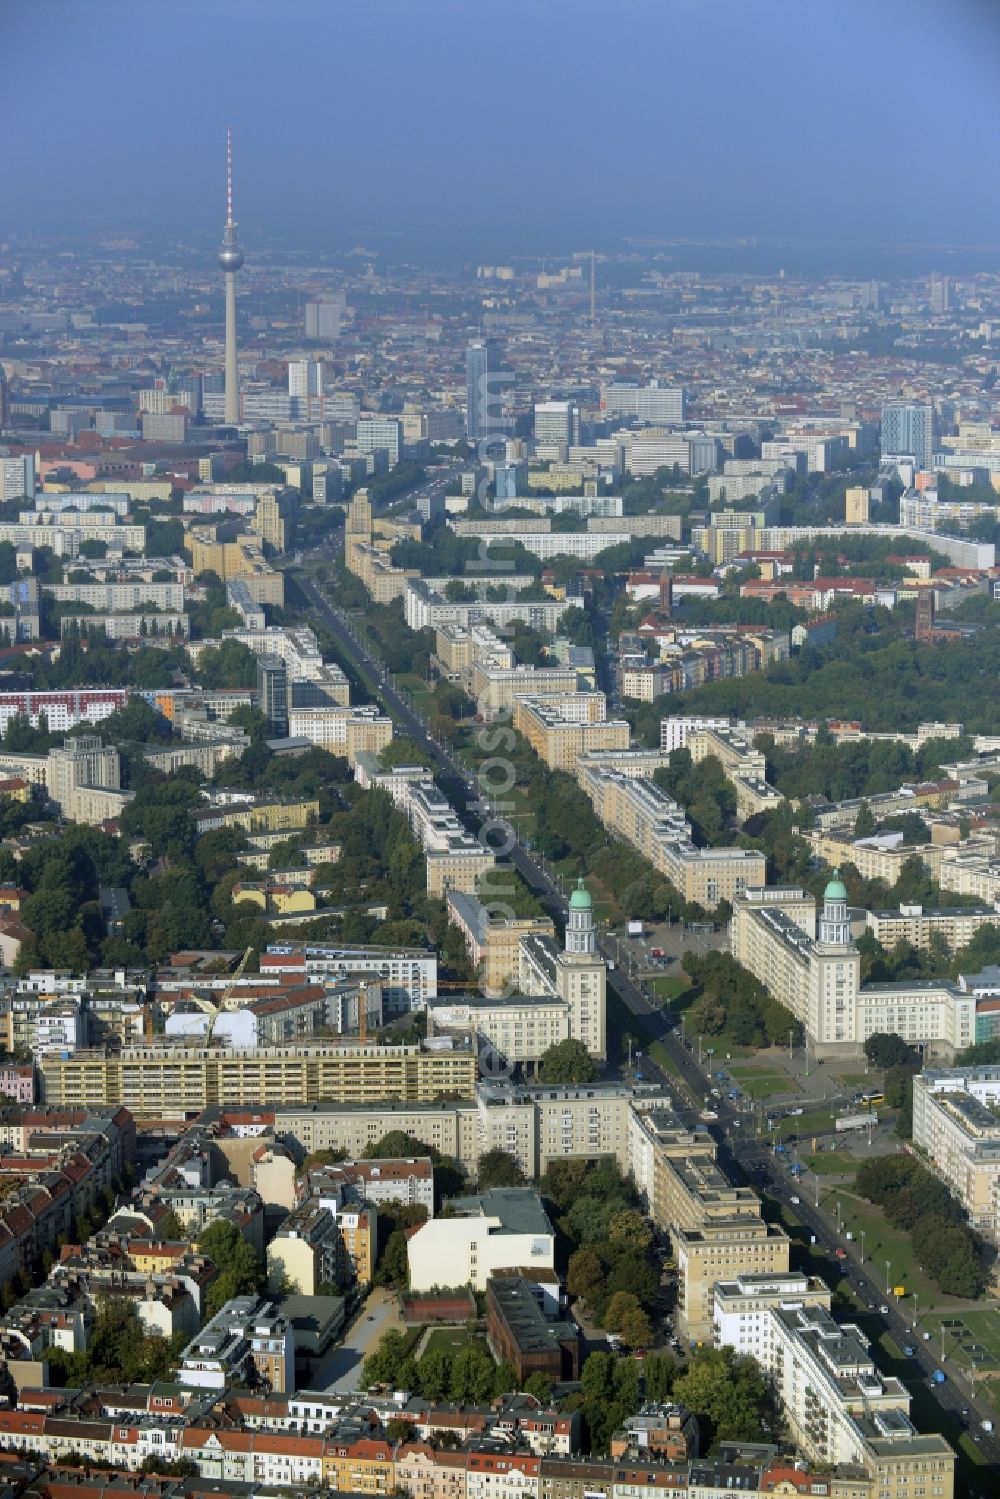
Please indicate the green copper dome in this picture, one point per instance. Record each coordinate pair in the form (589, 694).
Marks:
(836, 890)
(580, 899)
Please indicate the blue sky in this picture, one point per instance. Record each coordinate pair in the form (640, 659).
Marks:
(545, 122)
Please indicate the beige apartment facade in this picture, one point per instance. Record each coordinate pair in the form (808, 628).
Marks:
(560, 740)
(637, 810)
(955, 1122)
(171, 1081)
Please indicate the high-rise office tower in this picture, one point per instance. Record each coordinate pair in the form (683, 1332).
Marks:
(939, 294)
(323, 317)
(909, 431)
(856, 505)
(305, 385)
(487, 387)
(557, 428)
(272, 689)
(653, 403)
(230, 260)
(17, 478)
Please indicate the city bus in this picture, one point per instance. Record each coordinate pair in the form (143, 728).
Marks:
(871, 1100)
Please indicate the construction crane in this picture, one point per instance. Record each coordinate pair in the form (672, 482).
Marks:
(227, 1001)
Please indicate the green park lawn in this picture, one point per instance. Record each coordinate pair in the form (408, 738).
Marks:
(669, 990)
(884, 1242)
(451, 1339)
(662, 1058)
(812, 1122)
(831, 1163)
(982, 1327)
(764, 1085)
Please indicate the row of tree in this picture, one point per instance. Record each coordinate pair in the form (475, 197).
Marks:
(734, 1003)
(861, 767)
(465, 1374)
(884, 679)
(607, 1244)
(918, 1202)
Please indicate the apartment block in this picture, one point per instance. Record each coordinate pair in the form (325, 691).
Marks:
(954, 925)
(637, 810)
(243, 558)
(956, 1121)
(456, 860)
(492, 939)
(814, 970)
(178, 1081)
(321, 1244)
(495, 688)
(408, 976)
(350, 732)
(502, 1229)
(536, 1125)
(558, 736)
(426, 607)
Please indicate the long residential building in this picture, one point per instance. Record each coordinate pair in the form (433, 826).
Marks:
(535, 1124)
(638, 810)
(408, 976)
(956, 1121)
(813, 968)
(496, 688)
(357, 730)
(560, 995)
(456, 859)
(558, 736)
(176, 1081)
(716, 1229)
(537, 538)
(493, 938)
(910, 922)
(426, 607)
(119, 598)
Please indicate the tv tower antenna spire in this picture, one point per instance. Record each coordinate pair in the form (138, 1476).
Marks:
(231, 260)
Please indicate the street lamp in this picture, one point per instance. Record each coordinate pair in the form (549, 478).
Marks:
(916, 1311)
(699, 1051)
(791, 1033)
(862, 1233)
(887, 1278)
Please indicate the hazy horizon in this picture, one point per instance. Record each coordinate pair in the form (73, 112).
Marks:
(458, 129)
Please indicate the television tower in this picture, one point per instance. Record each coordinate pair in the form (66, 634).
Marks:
(231, 259)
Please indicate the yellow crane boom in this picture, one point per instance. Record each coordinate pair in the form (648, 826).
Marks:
(227, 1002)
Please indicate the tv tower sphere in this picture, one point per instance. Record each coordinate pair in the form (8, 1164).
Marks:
(230, 257)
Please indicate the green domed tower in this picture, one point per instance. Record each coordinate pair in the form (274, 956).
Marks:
(834, 926)
(580, 934)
